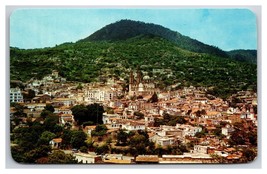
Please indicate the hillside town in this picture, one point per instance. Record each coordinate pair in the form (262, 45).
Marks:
(126, 121)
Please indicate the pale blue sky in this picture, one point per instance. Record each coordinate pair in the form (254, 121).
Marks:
(227, 29)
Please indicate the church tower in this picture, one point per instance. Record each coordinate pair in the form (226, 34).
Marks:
(139, 77)
(139, 85)
(131, 82)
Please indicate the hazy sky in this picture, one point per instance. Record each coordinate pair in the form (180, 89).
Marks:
(225, 28)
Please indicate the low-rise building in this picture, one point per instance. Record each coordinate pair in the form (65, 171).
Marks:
(147, 159)
(87, 158)
(129, 125)
(55, 143)
(117, 159)
(35, 106)
(63, 102)
(98, 94)
(186, 158)
(227, 130)
(189, 130)
(62, 110)
(66, 118)
(16, 95)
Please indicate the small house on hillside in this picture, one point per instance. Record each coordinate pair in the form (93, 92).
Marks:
(55, 143)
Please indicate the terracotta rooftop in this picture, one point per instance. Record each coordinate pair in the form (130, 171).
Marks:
(150, 134)
(66, 115)
(229, 149)
(90, 127)
(117, 161)
(64, 107)
(147, 158)
(57, 140)
(210, 113)
(233, 156)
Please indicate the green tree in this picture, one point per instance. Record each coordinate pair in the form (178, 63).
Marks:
(78, 139)
(46, 136)
(100, 130)
(154, 98)
(66, 138)
(49, 107)
(50, 123)
(59, 157)
(80, 114)
(122, 138)
(159, 151)
(237, 138)
(88, 123)
(249, 155)
(102, 149)
(46, 113)
(218, 132)
(27, 137)
(252, 136)
(84, 149)
(39, 152)
(109, 110)
(198, 113)
(89, 142)
(138, 144)
(180, 120)
(200, 134)
(29, 95)
(100, 127)
(17, 153)
(139, 115)
(79, 86)
(93, 112)
(19, 109)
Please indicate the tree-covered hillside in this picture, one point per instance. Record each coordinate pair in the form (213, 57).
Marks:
(126, 29)
(244, 55)
(87, 61)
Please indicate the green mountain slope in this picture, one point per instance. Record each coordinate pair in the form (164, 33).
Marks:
(88, 61)
(126, 29)
(244, 55)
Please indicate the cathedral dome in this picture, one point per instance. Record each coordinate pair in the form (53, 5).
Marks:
(140, 87)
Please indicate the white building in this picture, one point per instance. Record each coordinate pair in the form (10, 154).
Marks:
(66, 118)
(163, 141)
(102, 94)
(166, 135)
(63, 101)
(15, 95)
(87, 158)
(200, 149)
(107, 118)
(227, 130)
(131, 126)
(35, 106)
(128, 125)
(36, 83)
(188, 130)
(62, 110)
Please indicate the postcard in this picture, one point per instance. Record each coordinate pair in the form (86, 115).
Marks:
(133, 86)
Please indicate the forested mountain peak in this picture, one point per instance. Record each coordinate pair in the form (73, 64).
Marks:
(181, 60)
(125, 29)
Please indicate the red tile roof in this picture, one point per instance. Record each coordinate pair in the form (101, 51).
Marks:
(57, 140)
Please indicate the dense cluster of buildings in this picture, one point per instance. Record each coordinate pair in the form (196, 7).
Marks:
(190, 102)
